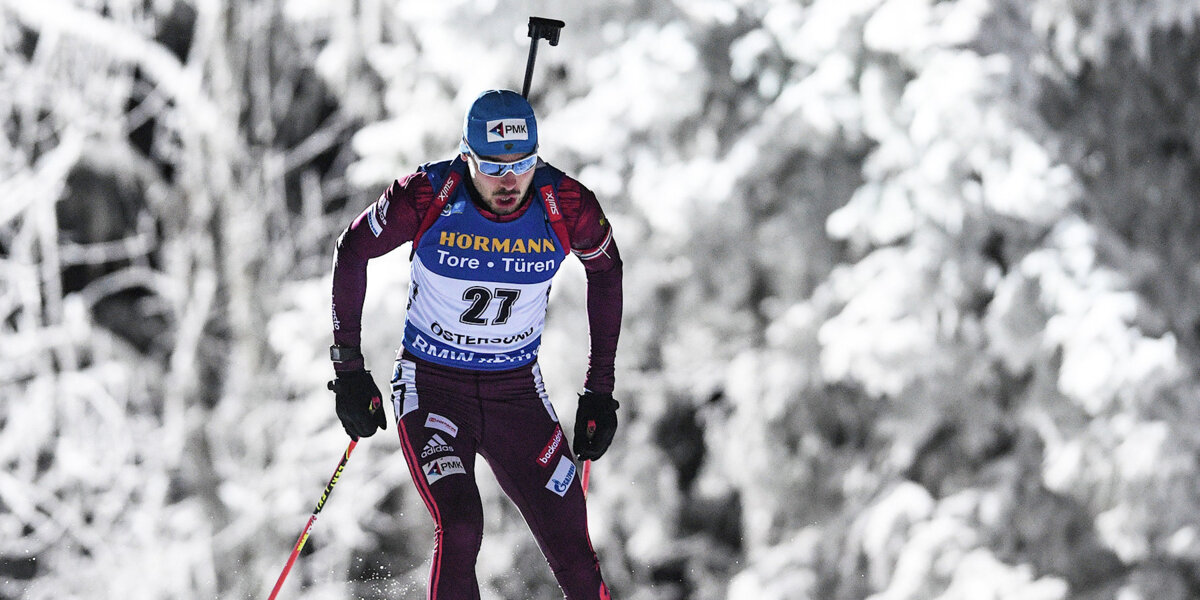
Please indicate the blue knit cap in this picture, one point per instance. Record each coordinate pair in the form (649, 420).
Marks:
(500, 122)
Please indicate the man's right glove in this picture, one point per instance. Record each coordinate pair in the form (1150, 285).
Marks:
(595, 424)
(359, 403)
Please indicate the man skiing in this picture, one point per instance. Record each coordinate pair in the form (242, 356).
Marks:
(489, 229)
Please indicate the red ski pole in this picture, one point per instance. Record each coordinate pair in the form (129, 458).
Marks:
(587, 464)
(587, 471)
(312, 519)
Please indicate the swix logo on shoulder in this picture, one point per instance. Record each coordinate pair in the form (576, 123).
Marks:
(506, 130)
(447, 188)
(551, 203)
(564, 474)
(442, 467)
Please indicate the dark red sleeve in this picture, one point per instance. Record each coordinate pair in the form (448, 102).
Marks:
(592, 241)
(385, 225)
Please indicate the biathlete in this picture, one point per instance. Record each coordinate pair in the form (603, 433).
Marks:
(489, 229)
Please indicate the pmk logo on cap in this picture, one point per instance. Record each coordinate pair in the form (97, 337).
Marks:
(506, 130)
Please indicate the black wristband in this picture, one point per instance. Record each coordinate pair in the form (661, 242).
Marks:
(340, 354)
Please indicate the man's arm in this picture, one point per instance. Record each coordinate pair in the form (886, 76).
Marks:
(391, 221)
(592, 241)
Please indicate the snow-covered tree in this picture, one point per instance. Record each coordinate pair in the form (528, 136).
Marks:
(910, 292)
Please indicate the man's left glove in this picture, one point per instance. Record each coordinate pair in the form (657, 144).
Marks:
(359, 403)
(595, 424)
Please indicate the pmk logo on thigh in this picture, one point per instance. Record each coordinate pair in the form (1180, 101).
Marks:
(442, 467)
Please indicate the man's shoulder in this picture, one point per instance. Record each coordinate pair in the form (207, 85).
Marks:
(587, 226)
(415, 189)
(572, 194)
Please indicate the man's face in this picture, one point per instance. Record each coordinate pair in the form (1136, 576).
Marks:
(503, 194)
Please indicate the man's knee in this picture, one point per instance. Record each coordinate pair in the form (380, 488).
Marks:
(461, 532)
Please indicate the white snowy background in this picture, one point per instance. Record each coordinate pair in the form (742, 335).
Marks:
(912, 293)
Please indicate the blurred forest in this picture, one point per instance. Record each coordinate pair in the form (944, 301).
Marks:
(912, 292)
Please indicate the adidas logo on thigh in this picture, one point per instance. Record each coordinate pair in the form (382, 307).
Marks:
(435, 445)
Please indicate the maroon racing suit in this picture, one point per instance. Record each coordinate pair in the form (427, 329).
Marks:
(448, 412)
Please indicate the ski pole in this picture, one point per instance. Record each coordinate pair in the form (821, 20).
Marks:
(539, 28)
(313, 518)
(587, 471)
(587, 464)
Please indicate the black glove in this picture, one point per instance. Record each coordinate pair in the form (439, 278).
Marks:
(359, 403)
(595, 425)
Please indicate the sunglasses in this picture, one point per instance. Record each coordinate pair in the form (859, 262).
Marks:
(493, 168)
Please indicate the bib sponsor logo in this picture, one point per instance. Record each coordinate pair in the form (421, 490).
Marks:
(435, 445)
(508, 264)
(551, 448)
(470, 340)
(425, 347)
(436, 421)
(505, 130)
(484, 243)
(442, 467)
(564, 474)
(503, 359)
